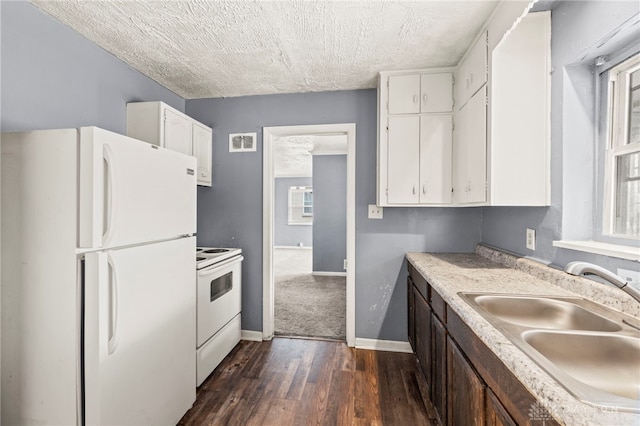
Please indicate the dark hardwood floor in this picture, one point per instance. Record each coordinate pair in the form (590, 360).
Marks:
(311, 382)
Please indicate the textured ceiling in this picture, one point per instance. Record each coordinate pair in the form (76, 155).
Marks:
(221, 48)
(293, 154)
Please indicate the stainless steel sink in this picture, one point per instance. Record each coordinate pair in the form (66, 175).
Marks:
(607, 362)
(589, 349)
(536, 312)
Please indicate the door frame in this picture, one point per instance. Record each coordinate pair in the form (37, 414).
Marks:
(268, 136)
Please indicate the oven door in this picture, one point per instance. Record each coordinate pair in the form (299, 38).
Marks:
(219, 296)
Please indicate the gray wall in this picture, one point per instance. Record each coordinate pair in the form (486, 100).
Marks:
(329, 212)
(576, 26)
(283, 233)
(230, 212)
(52, 77)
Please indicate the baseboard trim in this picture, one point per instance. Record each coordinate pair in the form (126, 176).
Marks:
(253, 336)
(383, 345)
(328, 274)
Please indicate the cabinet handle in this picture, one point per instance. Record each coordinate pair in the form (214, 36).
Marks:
(424, 98)
(414, 190)
(424, 188)
(471, 79)
(415, 99)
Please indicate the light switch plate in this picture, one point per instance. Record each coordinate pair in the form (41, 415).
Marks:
(531, 239)
(375, 212)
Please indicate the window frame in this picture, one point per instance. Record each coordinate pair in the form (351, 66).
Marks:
(618, 92)
(303, 217)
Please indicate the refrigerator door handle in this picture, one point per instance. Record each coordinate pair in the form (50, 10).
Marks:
(113, 306)
(108, 227)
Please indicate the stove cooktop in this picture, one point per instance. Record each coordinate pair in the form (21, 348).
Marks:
(207, 256)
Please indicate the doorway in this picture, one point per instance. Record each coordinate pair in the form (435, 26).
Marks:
(270, 136)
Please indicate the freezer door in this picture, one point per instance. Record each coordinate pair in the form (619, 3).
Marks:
(140, 334)
(132, 192)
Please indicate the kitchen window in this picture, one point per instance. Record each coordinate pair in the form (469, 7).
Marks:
(622, 169)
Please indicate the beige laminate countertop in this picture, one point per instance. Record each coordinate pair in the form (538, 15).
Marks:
(489, 270)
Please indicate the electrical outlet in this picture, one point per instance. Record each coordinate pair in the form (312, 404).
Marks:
(531, 239)
(375, 212)
(631, 277)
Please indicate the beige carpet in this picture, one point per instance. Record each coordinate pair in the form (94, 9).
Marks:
(307, 305)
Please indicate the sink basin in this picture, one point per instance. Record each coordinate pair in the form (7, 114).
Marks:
(539, 312)
(589, 349)
(610, 363)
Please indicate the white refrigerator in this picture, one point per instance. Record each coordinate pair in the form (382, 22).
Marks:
(98, 280)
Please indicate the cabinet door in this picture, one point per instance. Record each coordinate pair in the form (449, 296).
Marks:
(435, 158)
(403, 173)
(470, 151)
(423, 335)
(436, 92)
(439, 362)
(496, 414)
(202, 145)
(472, 73)
(477, 147)
(465, 397)
(177, 132)
(404, 94)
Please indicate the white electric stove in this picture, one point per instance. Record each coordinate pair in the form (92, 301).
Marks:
(218, 306)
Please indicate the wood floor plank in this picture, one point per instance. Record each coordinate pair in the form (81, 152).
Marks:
(310, 382)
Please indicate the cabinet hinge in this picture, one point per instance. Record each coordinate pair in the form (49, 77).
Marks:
(453, 126)
(453, 79)
(486, 100)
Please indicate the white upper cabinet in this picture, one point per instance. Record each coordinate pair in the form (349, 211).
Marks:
(202, 151)
(489, 148)
(470, 133)
(420, 93)
(436, 92)
(520, 114)
(435, 158)
(472, 73)
(403, 175)
(177, 132)
(415, 138)
(159, 124)
(470, 151)
(404, 94)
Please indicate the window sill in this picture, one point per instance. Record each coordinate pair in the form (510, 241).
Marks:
(606, 249)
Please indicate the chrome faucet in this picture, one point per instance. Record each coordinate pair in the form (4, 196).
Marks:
(584, 268)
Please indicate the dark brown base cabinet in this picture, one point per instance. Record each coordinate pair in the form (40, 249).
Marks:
(468, 384)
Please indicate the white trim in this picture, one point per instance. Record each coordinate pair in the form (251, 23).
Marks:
(250, 335)
(383, 345)
(268, 136)
(329, 274)
(605, 249)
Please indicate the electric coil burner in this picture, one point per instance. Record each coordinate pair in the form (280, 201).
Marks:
(207, 256)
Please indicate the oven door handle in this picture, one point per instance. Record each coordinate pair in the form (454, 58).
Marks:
(212, 268)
